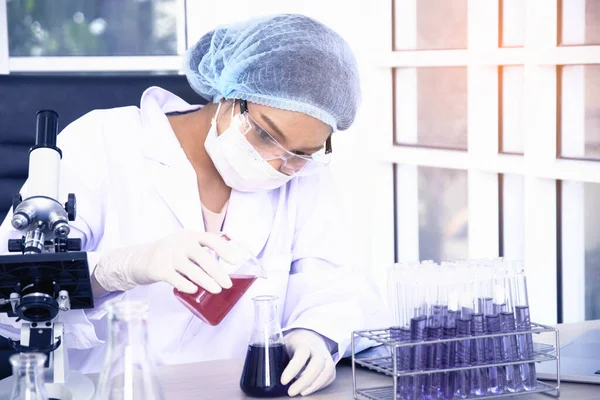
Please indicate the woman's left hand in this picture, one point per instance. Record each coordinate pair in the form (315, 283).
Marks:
(307, 349)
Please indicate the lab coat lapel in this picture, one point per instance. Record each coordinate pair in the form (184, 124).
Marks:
(173, 174)
(249, 219)
(178, 187)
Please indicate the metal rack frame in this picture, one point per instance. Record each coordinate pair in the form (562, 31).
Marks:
(387, 366)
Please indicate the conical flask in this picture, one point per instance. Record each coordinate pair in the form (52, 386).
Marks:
(128, 373)
(28, 372)
(213, 308)
(267, 355)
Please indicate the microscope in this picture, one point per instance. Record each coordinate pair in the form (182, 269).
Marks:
(48, 274)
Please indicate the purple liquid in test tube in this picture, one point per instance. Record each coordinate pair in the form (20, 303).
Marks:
(510, 352)
(499, 308)
(523, 323)
(438, 309)
(448, 358)
(525, 346)
(479, 376)
(495, 287)
(434, 351)
(418, 356)
(496, 381)
(463, 356)
(402, 335)
(398, 281)
(504, 293)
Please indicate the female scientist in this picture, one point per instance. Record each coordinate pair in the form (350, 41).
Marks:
(154, 184)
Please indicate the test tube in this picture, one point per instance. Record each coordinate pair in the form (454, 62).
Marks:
(399, 333)
(448, 356)
(510, 353)
(483, 277)
(523, 323)
(479, 376)
(463, 330)
(417, 307)
(438, 309)
(496, 375)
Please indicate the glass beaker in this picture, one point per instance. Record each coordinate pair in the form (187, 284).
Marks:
(128, 373)
(28, 372)
(267, 355)
(212, 308)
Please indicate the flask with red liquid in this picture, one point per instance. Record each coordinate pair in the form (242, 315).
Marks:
(212, 308)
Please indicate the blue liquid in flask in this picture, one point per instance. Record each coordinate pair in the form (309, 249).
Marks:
(264, 365)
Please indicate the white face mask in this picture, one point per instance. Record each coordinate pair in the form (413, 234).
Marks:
(239, 164)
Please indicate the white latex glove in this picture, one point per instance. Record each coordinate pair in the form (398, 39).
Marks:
(169, 259)
(307, 346)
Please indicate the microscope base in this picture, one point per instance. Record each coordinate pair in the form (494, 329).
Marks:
(77, 387)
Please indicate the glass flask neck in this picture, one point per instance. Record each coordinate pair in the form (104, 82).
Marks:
(128, 372)
(28, 372)
(127, 328)
(267, 330)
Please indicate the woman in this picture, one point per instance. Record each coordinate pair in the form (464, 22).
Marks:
(154, 184)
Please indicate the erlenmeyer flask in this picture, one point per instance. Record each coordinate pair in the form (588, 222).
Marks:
(28, 372)
(212, 308)
(267, 355)
(128, 373)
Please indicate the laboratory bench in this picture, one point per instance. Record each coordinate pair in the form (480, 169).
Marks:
(217, 380)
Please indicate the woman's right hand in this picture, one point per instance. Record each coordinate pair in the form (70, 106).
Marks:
(182, 259)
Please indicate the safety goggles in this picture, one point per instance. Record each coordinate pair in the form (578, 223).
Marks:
(270, 149)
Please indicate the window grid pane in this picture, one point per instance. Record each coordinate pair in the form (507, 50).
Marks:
(579, 22)
(580, 111)
(512, 109)
(440, 25)
(513, 23)
(440, 117)
(443, 214)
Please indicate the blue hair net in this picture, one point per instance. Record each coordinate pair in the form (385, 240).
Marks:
(286, 61)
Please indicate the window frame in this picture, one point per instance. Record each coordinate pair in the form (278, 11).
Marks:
(541, 57)
(48, 64)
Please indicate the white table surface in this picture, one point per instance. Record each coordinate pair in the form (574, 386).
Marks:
(220, 379)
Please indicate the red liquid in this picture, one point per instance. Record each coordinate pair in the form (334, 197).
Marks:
(212, 308)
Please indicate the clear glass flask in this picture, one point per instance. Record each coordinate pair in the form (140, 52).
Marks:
(128, 373)
(267, 355)
(213, 308)
(28, 372)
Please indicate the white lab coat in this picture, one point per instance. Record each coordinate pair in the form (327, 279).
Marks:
(134, 184)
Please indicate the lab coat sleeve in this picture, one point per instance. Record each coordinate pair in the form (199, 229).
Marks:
(83, 172)
(324, 293)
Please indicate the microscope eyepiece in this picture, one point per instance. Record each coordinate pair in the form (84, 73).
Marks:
(46, 128)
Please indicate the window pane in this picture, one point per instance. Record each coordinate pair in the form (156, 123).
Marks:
(93, 27)
(512, 108)
(513, 23)
(431, 107)
(581, 250)
(436, 25)
(443, 214)
(580, 119)
(580, 22)
(513, 216)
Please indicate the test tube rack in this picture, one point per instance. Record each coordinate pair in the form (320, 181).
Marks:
(386, 365)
